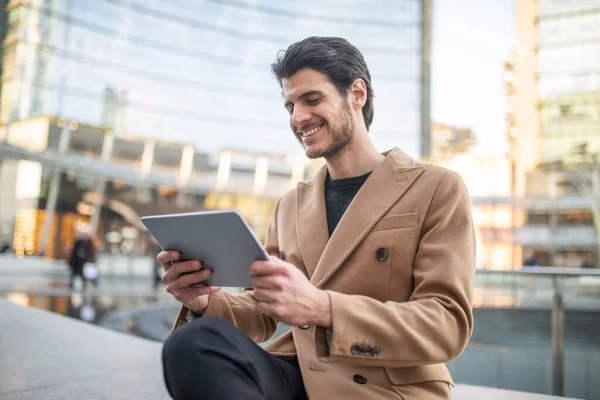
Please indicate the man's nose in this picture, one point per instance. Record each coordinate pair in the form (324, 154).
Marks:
(300, 116)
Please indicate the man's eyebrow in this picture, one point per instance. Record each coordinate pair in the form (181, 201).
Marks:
(304, 95)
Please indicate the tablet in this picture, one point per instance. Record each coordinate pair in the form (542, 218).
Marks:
(222, 240)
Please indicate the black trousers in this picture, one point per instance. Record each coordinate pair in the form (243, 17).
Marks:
(208, 358)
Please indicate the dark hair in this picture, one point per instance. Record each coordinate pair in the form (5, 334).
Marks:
(334, 57)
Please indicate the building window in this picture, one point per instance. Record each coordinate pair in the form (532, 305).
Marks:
(565, 110)
(575, 218)
(538, 219)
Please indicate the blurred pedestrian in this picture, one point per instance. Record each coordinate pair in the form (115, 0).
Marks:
(82, 260)
(372, 264)
(530, 260)
(5, 249)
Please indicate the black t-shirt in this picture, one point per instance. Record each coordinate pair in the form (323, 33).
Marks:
(338, 196)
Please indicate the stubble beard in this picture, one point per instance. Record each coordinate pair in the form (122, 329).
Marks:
(341, 139)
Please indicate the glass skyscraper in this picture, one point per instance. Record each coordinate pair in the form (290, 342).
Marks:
(198, 71)
(568, 76)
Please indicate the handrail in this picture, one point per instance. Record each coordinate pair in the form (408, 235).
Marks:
(558, 324)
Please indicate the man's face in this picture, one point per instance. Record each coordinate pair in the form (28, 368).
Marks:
(320, 118)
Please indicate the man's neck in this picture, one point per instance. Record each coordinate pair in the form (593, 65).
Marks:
(359, 158)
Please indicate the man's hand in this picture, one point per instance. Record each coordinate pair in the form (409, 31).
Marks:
(285, 293)
(184, 281)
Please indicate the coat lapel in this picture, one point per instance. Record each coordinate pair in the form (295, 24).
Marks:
(311, 222)
(388, 182)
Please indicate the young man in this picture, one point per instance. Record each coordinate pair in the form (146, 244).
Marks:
(372, 264)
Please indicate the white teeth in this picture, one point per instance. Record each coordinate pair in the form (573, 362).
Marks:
(312, 131)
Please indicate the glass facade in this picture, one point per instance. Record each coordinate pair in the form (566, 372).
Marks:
(569, 76)
(199, 71)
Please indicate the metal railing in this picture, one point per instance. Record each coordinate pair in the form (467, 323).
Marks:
(558, 276)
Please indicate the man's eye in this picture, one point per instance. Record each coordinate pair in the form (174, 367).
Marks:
(312, 102)
(290, 110)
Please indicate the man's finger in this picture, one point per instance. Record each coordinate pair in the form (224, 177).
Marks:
(258, 268)
(186, 267)
(165, 258)
(261, 268)
(192, 279)
(197, 291)
(267, 282)
(173, 273)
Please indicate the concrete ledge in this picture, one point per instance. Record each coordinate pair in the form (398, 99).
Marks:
(468, 392)
(48, 356)
(52, 357)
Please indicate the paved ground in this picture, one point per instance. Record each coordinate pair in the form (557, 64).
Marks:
(47, 356)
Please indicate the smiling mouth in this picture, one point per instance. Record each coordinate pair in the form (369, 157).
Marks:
(311, 131)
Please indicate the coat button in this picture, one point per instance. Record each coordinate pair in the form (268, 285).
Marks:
(361, 380)
(382, 254)
(304, 327)
(281, 255)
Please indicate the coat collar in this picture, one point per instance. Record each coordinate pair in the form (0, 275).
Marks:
(322, 255)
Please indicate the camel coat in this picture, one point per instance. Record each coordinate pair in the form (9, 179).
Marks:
(399, 270)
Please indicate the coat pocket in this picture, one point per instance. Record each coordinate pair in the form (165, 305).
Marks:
(431, 390)
(388, 222)
(418, 374)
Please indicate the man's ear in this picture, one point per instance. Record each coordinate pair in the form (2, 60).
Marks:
(358, 94)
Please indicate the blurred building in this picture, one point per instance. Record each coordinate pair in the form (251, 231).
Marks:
(56, 174)
(557, 68)
(558, 225)
(448, 141)
(199, 71)
(569, 76)
(551, 222)
(137, 95)
(553, 84)
(488, 182)
(115, 111)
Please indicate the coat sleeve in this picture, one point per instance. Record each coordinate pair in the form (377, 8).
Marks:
(240, 308)
(435, 325)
